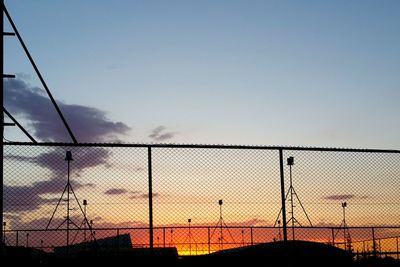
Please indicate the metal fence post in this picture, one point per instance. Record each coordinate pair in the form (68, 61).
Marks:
(151, 243)
(397, 247)
(251, 235)
(373, 242)
(283, 195)
(2, 245)
(333, 236)
(163, 237)
(379, 248)
(209, 240)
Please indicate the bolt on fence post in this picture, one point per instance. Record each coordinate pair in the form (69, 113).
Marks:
(283, 195)
(150, 197)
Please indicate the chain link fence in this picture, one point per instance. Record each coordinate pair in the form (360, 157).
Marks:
(200, 199)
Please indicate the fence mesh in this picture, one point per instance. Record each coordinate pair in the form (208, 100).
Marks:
(203, 199)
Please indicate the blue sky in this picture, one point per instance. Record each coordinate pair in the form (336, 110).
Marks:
(307, 73)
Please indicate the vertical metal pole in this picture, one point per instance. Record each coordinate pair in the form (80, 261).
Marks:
(344, 228)
(221, 232)
(27, 240)
(373, 242)
(291, 201)
(164, 237)
(397, 247)
(283, 195)
(2, 126)
(68, 209)
(150, 198)
(209, 240)
(380, 248)
(190, 239)
(251, 235)
(84, 229)
(333, 236)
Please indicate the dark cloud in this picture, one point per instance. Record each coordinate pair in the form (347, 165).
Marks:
(160, 134)
(29, 198)
(87, 123)
(82, 159)
(132, 194)
(13, 202)
(340, 197)
(116, 191)
(54, 161)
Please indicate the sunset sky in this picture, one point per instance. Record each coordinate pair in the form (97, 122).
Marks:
(302, 73)
(312, 73)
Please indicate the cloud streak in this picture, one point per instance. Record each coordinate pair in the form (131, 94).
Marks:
(132, 194)
(139, 195)
(160, 134)
(88, 124)
(340, 197)
(344, 197)
(116, 191)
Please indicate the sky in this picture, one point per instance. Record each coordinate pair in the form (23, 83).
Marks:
(301, 73)
(309, 73)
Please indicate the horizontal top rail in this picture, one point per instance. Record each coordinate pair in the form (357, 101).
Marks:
(207, 226)
(203, 146)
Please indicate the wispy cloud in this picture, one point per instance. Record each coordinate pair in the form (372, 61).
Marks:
(116, 191)
(142, 195)
(132, 194)
(160, 133)
(88, 124)
(345, 197)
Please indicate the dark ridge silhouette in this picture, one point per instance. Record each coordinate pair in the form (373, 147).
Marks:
(295, 253)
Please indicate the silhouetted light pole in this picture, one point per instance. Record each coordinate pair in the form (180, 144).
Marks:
(293, 194)
(220, 225)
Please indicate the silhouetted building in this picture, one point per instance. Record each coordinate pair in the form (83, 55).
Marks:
(113, 243)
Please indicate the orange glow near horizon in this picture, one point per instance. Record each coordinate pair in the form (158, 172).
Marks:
(204, 240)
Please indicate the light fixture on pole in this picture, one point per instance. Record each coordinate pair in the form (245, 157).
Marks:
(190, 237)
(346, 233)
(221, 224)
